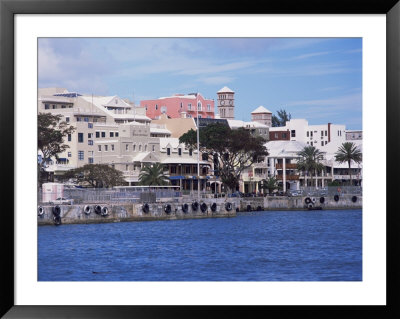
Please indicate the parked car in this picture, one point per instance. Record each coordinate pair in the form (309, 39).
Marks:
(294, 194)
(62, 201)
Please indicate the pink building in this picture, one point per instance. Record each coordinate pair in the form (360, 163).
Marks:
(179, 105)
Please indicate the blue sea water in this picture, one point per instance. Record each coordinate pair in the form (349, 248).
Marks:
(256, 246)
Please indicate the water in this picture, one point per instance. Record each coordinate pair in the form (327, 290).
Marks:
(257, 246)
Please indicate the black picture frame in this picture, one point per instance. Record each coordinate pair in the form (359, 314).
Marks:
(8, 10)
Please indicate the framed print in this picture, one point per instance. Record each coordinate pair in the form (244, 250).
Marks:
(80, 42)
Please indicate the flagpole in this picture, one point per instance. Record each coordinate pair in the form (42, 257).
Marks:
(198, 149)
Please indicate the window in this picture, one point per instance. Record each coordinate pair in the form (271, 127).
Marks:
(322, 143)
(69, 154)
(67, 119)
(198, 106)
(134, 147)
(190, 106)
(112, 147)
(168, 151)
(181, 105)
(116, 134)
(284, 135)
(326, 142)
(209, 107)
(90, 125)
(81, 155)
(322, 133)
(308, 133)
(105, 148)
(78, 119)
(126, 147)
(190, 152)
(46, 106)
(163, 109)
(103, 134)
(86, 119)
(140, 147)
(99, 146)
(63, 106)
(153, 148)
(97, 134)
(326, 133)
(54, 107)
(145, 148)
(179, 151)
(111, 134)
(276, 135)
(80, 137)
(90, 160)
(293, 133)
(69, 138)
(156, 107)
(90, 142)
(311, 143)
(311, 133)
(126, 167)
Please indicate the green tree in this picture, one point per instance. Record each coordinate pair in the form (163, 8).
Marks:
(348, 152)
(153, 175)
(270, 184)
(281, 118)
(96, 175)
(235, 150)
(51, 134)
(310, 158)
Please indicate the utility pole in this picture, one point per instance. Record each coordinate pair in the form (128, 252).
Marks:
(198, 149)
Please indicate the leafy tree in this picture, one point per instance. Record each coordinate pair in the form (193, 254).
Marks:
(270, 184)
(153, 175)
(281, 118)
(96, 175)
(348, 152)
(51, 133)
(235, 150)
(309, 161)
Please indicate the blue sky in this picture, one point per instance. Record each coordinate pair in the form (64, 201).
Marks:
(319, 79)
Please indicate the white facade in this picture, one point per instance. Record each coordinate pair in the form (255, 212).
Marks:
(315, 135)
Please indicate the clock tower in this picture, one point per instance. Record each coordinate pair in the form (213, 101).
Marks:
(226, 103)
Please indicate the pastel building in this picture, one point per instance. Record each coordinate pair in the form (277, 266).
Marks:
(179, 106)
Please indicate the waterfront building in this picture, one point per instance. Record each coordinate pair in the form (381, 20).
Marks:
(178, 106)
(176, 126)
(352, 135)
(180, 165)
(262, 115)
(226, 103)
(255, 128)
(315, 135)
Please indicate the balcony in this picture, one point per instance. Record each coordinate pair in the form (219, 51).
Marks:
(288, 177)
(261, 165)
(288, 166)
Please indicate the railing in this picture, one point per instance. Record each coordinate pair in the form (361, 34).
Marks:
(287, 166)
(288, 177)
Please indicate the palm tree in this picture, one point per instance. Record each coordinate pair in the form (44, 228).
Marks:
(309, 161)
(271, 183)
(153, 175)
(348, 152)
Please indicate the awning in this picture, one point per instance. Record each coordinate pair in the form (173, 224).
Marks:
(177, 177)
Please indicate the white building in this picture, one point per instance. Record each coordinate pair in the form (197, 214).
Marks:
(314, 135)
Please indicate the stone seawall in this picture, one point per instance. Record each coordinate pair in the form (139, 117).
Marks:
(76, 214)
(301, 203)
(87, 214)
